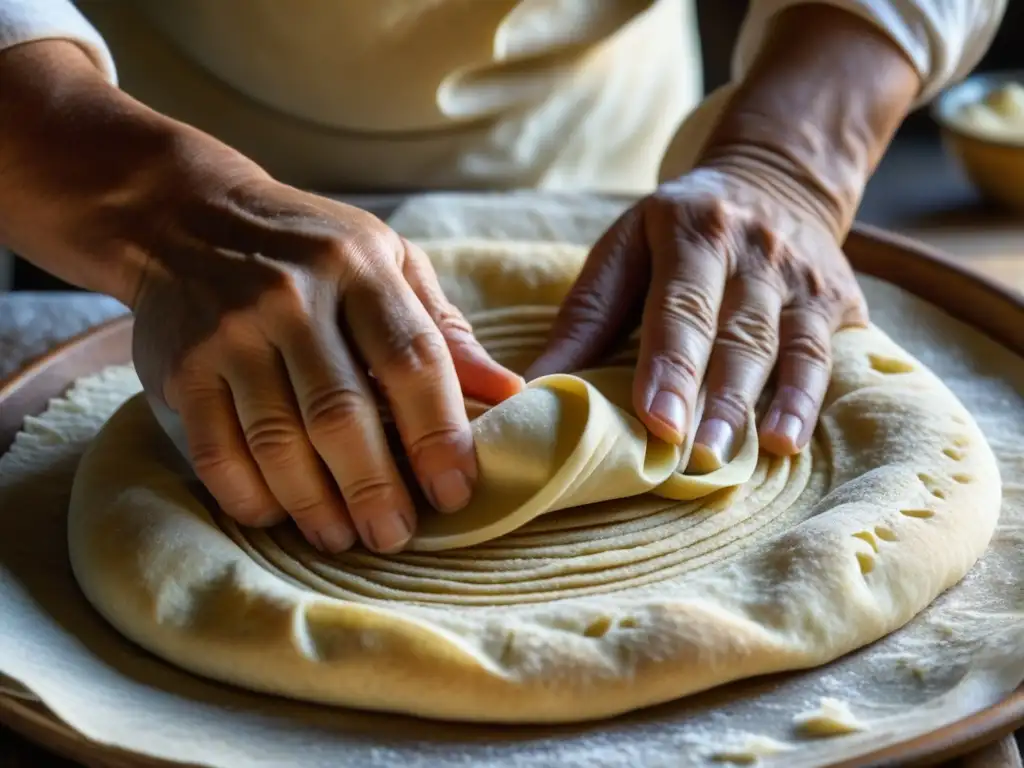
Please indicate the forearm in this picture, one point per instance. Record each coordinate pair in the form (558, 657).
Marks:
(819, 105)
(69, 141)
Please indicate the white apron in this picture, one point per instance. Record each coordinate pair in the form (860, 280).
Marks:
(345, 95)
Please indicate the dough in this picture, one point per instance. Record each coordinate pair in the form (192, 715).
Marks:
(750, 750)
(571, 613)
(832, 718)
(567, 442)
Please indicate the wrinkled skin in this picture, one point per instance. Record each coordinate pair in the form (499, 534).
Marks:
(731, 276)
(268, 318)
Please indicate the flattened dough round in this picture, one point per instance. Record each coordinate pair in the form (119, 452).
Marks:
(547, 611)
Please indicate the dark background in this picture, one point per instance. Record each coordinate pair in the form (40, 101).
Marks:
(915, 184)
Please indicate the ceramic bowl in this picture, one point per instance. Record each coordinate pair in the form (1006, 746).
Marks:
(994, 164)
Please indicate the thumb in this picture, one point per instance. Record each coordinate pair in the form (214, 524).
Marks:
(481, 377)
(610, 286)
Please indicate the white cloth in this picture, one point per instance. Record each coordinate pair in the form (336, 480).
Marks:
(25, 21)
(945, 39)
(405, 94)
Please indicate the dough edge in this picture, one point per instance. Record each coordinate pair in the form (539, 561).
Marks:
(174, 583)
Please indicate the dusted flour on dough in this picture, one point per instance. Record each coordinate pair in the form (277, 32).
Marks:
(574, 613)
(832, 717)
(750, 749)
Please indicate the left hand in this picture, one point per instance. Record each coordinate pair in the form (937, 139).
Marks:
(735, 271)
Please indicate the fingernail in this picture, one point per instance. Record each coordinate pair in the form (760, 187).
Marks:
(789, 427)
(668, 407)
(389, 532)
(450, 491)
(337, 537)
(712, 446)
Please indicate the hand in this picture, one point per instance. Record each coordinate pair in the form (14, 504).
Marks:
(734, 271)
(268, 320)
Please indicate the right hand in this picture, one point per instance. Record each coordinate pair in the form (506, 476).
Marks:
(269, 319)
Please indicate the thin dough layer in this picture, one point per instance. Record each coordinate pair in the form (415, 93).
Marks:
(570, 441)
(530, 607)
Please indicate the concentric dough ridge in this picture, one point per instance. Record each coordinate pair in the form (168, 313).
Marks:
(568, 613)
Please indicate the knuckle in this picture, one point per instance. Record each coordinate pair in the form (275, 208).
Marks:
(692, 306)
(668, 363)
(334, 412)
(323, 253)
(452, 323)
(714, 215)
(289, 296)
(583, 308)
(809, 346)
(769, 248)
(361, 252)
(700, 219)
(273, 440)
(447, 438)
(423, 353)
(367, 494)
(213, 460)
(347, 256)
(729, 404)
(221, 473)
(751, 333)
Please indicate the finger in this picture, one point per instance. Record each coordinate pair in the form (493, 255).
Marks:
(680, 321)
(278, 442)
(480, 376)
(610, 287)
(741, 361)
(805, 363)
(220, 456)
(410, 359)
(342, 420)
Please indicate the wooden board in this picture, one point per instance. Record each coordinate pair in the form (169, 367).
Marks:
(939, 279)
(986, 241)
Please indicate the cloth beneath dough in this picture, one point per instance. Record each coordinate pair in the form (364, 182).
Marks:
(957, 657)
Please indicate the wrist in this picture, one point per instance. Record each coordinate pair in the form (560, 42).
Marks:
(817, 109)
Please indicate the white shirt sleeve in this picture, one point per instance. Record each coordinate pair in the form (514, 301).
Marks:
(944, 39)
(26, 21)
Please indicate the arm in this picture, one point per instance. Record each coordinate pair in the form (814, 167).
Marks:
(238, 285)
(71, 143)
(57, 82)
(828, 84)
(737, 264)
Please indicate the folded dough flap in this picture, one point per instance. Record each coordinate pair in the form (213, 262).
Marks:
(567, 441)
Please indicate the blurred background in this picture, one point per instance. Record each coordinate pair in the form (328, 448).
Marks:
(917, 189)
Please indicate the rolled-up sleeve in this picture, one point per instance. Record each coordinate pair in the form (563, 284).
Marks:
(944, 39)
(26, 21)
